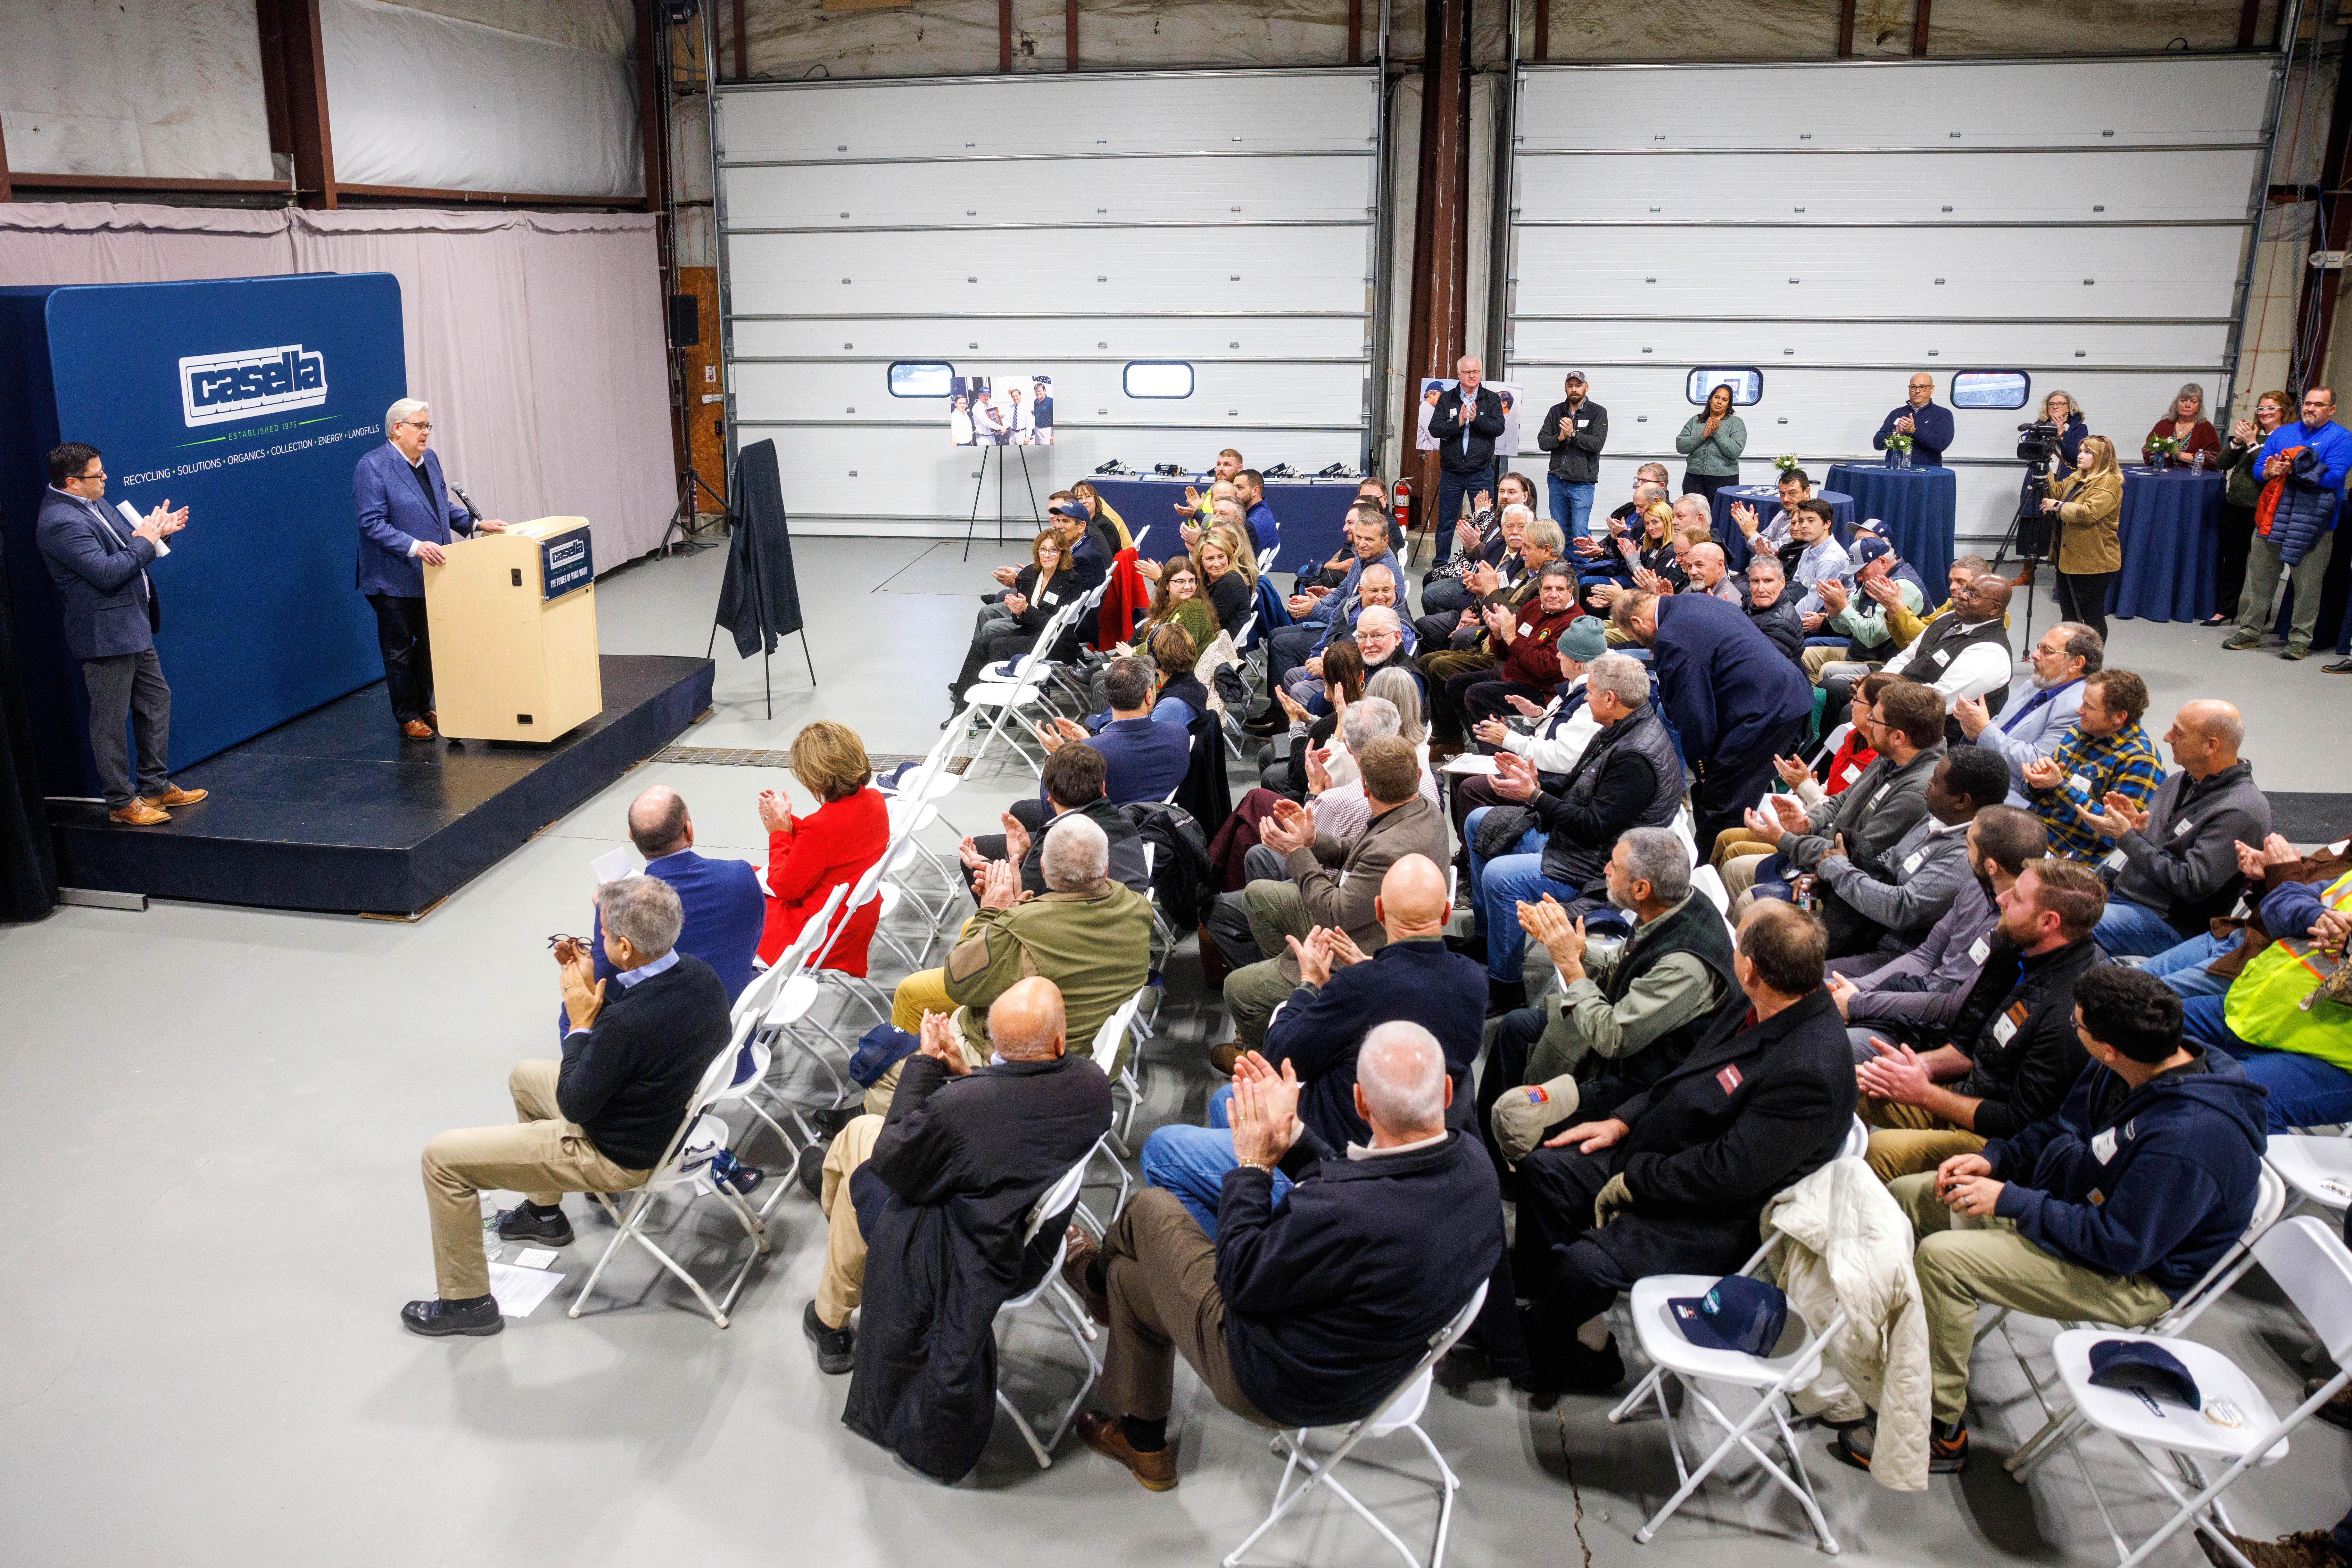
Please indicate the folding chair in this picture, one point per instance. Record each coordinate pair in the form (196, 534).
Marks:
(2318, 1169)
(795, 995)
(1057, 1201)
(1113, 1052)
(685, 1164)
(1709, 881)
(2237, 1426)
(1829, 744)
(2270, 1202)
(1267, 557)
(1013, 691)
(1686, 827)
(1400, 1411)
(1771, 1377)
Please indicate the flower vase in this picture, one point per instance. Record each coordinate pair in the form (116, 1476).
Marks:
(1901, 459)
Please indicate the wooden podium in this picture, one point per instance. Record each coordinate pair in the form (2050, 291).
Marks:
(513, 622)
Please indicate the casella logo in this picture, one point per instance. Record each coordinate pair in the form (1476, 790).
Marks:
(217, 387)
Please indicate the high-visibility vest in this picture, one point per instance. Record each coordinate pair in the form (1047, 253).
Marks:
(2264, 1005)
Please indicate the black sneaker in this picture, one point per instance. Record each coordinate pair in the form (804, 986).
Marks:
(1571, 1369)
(1947, 1446)
(522, 1223)
(837, 1349)
(436, 1318)
(809, 1171)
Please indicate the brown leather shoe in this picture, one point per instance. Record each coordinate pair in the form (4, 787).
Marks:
(138, 814)
(1223, 1057)
(1078, 1253)
(1106, 1436)
(175, 796)
(417, 729)
(433, 718)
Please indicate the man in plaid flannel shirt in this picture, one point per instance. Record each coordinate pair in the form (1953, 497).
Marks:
(2108, 751)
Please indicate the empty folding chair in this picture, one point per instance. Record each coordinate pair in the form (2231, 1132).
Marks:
(2318, 1169)
(1772, 1378)
(685, 1167)
(2235, 1425)
(1709, 881)
(1112, 1052)
(1005, 704)
(1066, 1308)
(1400, 1411)
(2270, 1202)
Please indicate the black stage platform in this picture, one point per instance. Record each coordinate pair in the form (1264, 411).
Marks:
(334, 810)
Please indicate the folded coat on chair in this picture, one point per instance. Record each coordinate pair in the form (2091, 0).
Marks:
(1849, 1250)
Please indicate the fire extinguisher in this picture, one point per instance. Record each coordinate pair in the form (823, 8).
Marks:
(1404, 508)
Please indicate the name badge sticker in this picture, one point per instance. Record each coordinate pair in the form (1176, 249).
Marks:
(1729, 1079)
(2103, 1146)
(1979, 950)
(2080, 782)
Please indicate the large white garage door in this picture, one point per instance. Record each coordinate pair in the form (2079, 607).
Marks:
(1069, 226)
(1838, 227)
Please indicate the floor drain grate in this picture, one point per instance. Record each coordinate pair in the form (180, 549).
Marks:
(747, 757)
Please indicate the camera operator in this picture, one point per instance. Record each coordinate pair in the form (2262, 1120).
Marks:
(2086, 503)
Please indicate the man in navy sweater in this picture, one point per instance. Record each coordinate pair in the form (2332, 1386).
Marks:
(1735, 701)
(1414, 978)
(2116, 1205)
(724, 905)
(1918, 416)
(1309, 1311)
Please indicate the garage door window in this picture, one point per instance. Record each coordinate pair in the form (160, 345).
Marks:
(1991, 389)
(1159, 378)
(1747, 384)
(921, 378)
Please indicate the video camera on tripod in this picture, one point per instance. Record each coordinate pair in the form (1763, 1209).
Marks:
(2030, 530)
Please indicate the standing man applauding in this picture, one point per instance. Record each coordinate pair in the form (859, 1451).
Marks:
(1465, 421)
(98, 562)
(1918, 416)
(405, 519)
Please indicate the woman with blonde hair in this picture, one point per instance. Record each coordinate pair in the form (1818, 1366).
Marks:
(2186, 428)
(2087, 504)
(838, 842)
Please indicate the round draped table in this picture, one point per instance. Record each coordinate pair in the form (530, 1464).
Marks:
(2170, 530)
(1766, 499)
(1918, 505)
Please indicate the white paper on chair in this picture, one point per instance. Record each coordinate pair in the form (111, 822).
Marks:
(610, 866)
(520, 1290)
(1469, 762)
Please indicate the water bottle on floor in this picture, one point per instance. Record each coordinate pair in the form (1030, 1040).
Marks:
(493, 1247)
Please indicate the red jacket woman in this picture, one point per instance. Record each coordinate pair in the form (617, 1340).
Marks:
(2186, 424)
(809, 856)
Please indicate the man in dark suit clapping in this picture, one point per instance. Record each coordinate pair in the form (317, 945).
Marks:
(98, 562)
(405, 519)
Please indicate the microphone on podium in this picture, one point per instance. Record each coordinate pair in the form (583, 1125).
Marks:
(472, 510)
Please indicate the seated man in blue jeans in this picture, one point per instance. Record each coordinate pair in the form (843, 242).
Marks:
(1313, 1037)
(1629, 775)
(2206, 964)
(2302, 1057)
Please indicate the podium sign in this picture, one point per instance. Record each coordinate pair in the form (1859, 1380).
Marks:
(566, 561)
(513, 618)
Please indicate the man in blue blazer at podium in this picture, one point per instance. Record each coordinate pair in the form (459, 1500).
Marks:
(405, 518)
(99, 561)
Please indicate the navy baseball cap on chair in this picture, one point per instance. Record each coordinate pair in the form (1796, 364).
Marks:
(2145, 1365)
(1739, 1314)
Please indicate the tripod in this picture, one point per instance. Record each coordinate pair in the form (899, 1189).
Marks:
(2031, 536)
(681, 520)
(982, 476)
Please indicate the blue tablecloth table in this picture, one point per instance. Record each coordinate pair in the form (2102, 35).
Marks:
(2170, 528)
(1309, 516)
(1920, 507)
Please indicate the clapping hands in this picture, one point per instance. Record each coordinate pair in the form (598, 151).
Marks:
(1265, 1111)
(2119, 818)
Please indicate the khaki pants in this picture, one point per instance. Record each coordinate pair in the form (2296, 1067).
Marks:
(837, 1288)
(1736, 843)
(1160, 1271)
(1739, 878)
(2257, 606)
(1992, 1263)
(1907, 1140)
(925, 990)
(542, 1156)
(1276, 911)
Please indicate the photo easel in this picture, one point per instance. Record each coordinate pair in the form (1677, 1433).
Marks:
(977, 489)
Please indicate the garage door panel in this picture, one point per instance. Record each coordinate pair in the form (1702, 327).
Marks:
(1146, 191)
(1940, 346)
(1855, 187)
(1255, 392)
(1279, 110)
(1110, 270)
(1898, 106)
(1200, 339)
(912, 475)
(1875, 272)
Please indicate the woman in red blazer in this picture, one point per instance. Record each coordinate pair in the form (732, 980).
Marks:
(2186, 425)
(809, 856)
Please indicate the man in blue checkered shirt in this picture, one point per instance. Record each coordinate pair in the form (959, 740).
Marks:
(2108, 751)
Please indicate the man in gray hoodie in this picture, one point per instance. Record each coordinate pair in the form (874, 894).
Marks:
(2179, 856)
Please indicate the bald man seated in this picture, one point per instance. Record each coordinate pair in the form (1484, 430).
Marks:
(722, 898)
(972, 1148)
(1342, 992)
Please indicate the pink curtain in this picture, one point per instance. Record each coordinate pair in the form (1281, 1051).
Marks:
(537, 337)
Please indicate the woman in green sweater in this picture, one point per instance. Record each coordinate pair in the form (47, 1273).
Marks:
(1711, 443)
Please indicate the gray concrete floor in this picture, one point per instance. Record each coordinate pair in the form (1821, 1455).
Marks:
(209, 1125)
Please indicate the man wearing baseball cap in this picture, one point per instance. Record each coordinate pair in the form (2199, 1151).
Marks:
(1855, 615)
(1574, 430)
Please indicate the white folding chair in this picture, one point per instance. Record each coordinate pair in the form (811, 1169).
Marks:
(1138, 538)
(1112, 1051)
(796, 994)
(1829, 744)
(1066, 1309)
(1709, 881)
(2318, 1169)
(1010, 694)
(1400, 1411)
(1267, 557)
(1770, 1378)
(2270, 1202)
(1686, 827)
(2237, 1427)
(685, 1165)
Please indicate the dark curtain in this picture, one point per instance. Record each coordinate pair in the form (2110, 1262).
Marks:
(28, 867)
(759, 556)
